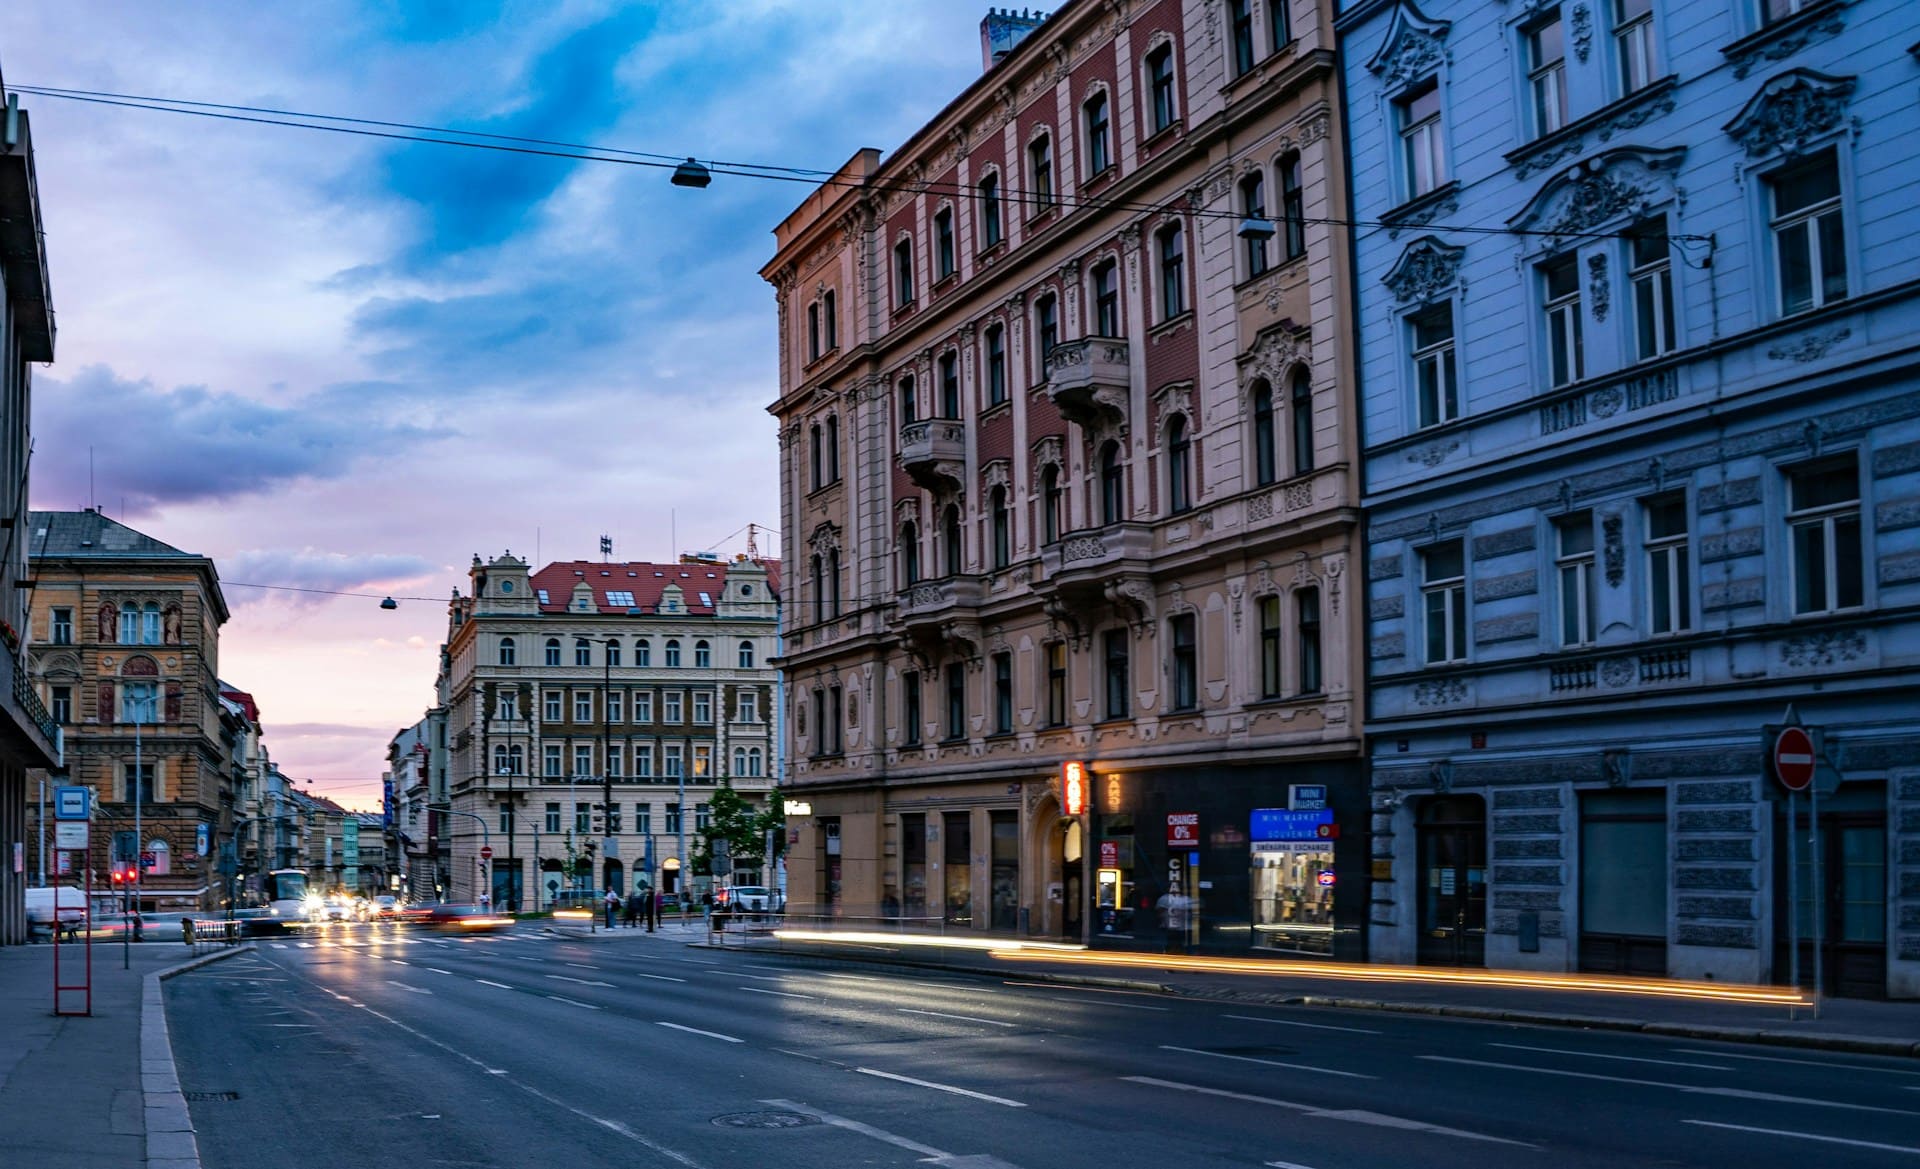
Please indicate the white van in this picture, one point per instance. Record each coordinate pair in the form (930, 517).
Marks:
(44, 904)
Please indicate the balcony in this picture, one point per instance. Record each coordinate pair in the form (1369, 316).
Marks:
(934, 453)
(1095, 566)
(942, 612)
(1088, 379)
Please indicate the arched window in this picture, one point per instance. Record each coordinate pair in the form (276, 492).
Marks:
(908, 411)
(739, 760)
(1179, 465)
(673, 653)
(1302, 423)
(815, 456)
(702, 655)
(1002, 528)
(613, 653)
(1264, 468)
(150, 624)
(1106, 300)
(1099, 151)
(753, 761)
(501, 765)
(1160, 87)
(950, 539)
(996, 365)
(1050, 504)
(990, 210)
(818, 572)
(129, 625)
(553, 651)
(950, 384)
(746, 655)
(1173, 272)
(507, 653)
(833, 448)
(582, 652)
(909, 554)
(643, 652)
(1112, 487)
(1293, 206)
(1253, 205)
(833, 581)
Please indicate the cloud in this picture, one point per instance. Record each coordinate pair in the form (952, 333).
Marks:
(319, 571)
(148, 446)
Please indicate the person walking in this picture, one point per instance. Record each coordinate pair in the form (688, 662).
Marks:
(653, 911)
(613, 905)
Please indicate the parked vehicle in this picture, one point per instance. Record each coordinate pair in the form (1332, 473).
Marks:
(56, 904)
(749, 899)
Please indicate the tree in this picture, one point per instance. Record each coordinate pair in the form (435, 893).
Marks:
(732, 819)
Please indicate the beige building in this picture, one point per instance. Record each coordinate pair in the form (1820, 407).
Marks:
(1067, 457)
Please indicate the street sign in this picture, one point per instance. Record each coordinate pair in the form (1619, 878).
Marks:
(1109, 854)
(1073, 787)
(72, 802)
(1324, 878)
(200, 839)
(1793, 758)
(1306, 797)
(486, 852)
(70, 834)
(1269, 824)
(1183, 830)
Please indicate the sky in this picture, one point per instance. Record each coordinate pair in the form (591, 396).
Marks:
(344, 363)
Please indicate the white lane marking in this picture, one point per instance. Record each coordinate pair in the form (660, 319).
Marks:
(304, 945)
(399, 962)
(656, 977)
(854, 977)
(1293, 1023)
(436, 970)
(582, 966)
(1285, 1165)
(785, 994)
(941, 1087)
(698, 1031)
(697, 961)
(1808, 1136)
(488, 982)
(1357, 1116)
(496, 1071)
(573, 1002)
(1810, 1063)
(962, 1018)
(278, 945)
(1089, 990)
(866, 1130)
(581, 981)
(1272, 1063)
(404, 986)
(308, 1026)
(1734, 1093)
(524, 958)
(764, 977)
(1672, 1063)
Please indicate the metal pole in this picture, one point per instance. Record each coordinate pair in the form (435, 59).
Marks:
(1817, 879)
(43, 848)
(606, 752)
(1793, 888)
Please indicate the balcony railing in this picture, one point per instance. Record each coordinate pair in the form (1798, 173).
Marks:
(934, 453)
(1088, 379)
(32, 707)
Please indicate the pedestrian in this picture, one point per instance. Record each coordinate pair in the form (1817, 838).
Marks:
(613, 905)
(653, 911)
(1175, 909)
(706, 907)
(633, 907)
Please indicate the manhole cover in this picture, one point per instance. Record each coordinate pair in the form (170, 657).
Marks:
(764, 1120)
(210, 1097)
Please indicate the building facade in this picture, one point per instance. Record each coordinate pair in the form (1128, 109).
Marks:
(29, 739)
(1638, 305)
(127, 662)
(654, 678)
(1068, 476)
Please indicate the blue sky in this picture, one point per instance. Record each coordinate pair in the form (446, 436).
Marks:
(348, 363)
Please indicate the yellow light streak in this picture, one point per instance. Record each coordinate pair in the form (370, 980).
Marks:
(931, 941)
(575, 914)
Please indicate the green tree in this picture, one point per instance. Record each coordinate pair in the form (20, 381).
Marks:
(732, 819)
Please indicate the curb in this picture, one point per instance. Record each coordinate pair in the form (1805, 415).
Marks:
(169, 1126)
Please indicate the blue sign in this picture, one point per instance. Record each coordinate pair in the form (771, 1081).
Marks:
(200, 839)
(386, 805)
(72, 802)
(1282, 824)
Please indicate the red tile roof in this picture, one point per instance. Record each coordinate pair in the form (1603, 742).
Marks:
(647, 582)
(244, 701)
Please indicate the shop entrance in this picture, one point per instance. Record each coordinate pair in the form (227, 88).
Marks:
(1623, 881)
(1848, 890)
(1453, 881)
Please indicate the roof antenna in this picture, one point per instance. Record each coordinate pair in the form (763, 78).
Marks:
(91, 501)
(753, 549)
(606, 549)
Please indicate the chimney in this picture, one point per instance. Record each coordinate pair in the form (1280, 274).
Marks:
(1001, 32)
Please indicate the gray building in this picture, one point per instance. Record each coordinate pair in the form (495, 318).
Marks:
(1638, 301)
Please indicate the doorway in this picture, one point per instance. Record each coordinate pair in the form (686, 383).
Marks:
(1848, 890)
(1623, 881)
(1453, 881)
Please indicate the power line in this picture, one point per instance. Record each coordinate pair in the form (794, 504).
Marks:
(239, 584)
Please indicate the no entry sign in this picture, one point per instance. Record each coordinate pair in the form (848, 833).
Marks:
(486, 852)
(1793, 758)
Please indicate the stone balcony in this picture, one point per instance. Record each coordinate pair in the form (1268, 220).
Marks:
(1088, 379)
(933, 453)
(936, 612)
(1095, 567)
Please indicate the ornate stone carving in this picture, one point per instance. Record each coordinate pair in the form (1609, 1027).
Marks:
(1634, 118)
(1606, 402)
(1613, 549)
(1315, 126)
(1826, 648)
(1785, 44)
(998, 473)
(1434, 453)
(1616, 671)
(1049, 451)
(1276, 352)
(1790, 112)
(1809, 346)
(1299, 496)
(1582, 31)
(1424, 214)
(1439, 692)
(1413, 47)
(1598, 291)
(1425, 271)
(1134, 594)
(1082, 548)
(1617, 185)
(1549, 157)
(825, 539)
(1260, 507)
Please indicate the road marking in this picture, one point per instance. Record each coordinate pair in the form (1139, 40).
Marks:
(1734, 1093)
(854, 977)
(1272, 1063)
(487, 982)
(404, 986)
(524, 958)
(1356, 1115)
(1292, 1023)
(1807, 1136)
(1672, 1063)
(1285, 1165)
(867, 1130)
(573, 1002)
(581, 981)
(785, 994)
(1810, 1063)
(962, 1018)
(656, 977)
(308, 1026)
(399, 962)
(1087, 989)
(698, 1031)
(582, 966)
(278, 945)
(436, 970)
(764, 977)
(496, 1071)
(697, 961)
(941, 1087)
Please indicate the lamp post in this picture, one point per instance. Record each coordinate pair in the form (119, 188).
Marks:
(486, 840)
(606, 754)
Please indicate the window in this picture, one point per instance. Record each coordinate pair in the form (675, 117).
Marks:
(138, 782)
(1808, 235)
(643, 653)
(813, 331)
(1173, 266)
(60, 704)
(583, 707)
(553, 818)
(1573, 564)
(612, 647)
(553, 651)
(1003, 694)
(907, 411)
(746, 707)
(1112, 488)
(816, 457)
(1777, 10)
(504, 706)
(1669, 585)
(1106, 300)
(643, 819)
(833, 448)
(507, 656)
(1426, 156)
(1824, 518)
(1633, 39)
(616, 706)
(910, 717)
(1651, 271)
(643, 707)
(1435, 379)
(1565, 360)
(1185, 665)
(1253, 205)
(1114, 652)
(643, 762)
(990, 210)
(1547, 75)
(739, 760)
(673, 653)
(1278, 27)
(903, 273)
(1002, 525)
(746, 655)
(1049, 504)
(550, 761)
(1046, 316)
(1179, 465)
(150, 625)
(582, 818)
(62, 631)
(582, 652)
(996, 365)
(956, 700)
(943, 243)
(949, 384)
(670, 706)
(950, 539)
(754, 766)
(703, 651)
(703, 758)
(582, 760)
(1443, 596)
(1264, 469)
(506, 818)
(1099, 157)
(1269, 647)
(831, 319)
(613, 810)
(1307, 611)
(1056, 683)
(129, 625)
(1301, 418)
(1040, 172)
(1293, 207)
(701, 818)
(1242, 20)
(1160, 86)
(819, 723)
(703, 707)
(909, 554)
(674, 760)
(672, 819)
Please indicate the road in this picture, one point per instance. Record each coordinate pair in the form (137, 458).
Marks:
(374, 1048)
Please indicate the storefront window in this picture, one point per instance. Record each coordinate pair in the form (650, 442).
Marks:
(1293, 896)
(1006, 869)
(1113, 888)
(913, 863)
(959, 868)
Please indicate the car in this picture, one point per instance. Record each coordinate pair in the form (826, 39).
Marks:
(57, 903)
(461, 917)
(384, 907)
(339, 909)
(750, 899)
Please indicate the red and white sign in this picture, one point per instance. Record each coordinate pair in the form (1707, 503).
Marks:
(1793, 758)
(1109, 854)
(1073, 787)
(486, 852)
(1183, 830)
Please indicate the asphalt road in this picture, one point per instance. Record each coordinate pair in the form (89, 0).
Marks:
(376, 1048)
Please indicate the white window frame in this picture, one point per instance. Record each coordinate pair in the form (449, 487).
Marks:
(1574, 568)
(1423, 150)
(1827, 520)
(1442, 358)
(643, 707)
(1669, 568)
(675, 760)
(1561, 316)
(583, 706)
(702, 707)
(582, 754)
(1446, 597)
(1807, 222)
(747, 708)
(552, 761)
(643, 760)
(1650, 279)
(671, 707)
(1546, 76)
(1634, 45)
